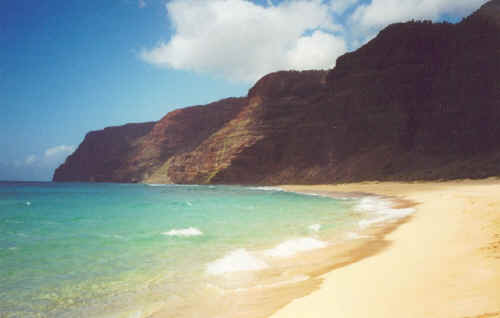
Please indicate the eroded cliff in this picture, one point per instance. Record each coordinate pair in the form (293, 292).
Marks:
(419, 101)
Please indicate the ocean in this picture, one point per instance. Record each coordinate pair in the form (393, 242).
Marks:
(136, 250)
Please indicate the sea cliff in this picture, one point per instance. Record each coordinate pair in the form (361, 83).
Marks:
(421, 101)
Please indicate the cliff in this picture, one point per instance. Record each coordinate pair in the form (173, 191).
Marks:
(131, 153)
(419, 101)
(102, 153)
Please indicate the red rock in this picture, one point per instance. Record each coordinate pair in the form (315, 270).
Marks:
(419, 101)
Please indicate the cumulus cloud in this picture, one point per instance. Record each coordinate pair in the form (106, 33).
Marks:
(367, 19)
(315, 51)
(59, 151)
(340, 6)
(241, 40)
(382, 12)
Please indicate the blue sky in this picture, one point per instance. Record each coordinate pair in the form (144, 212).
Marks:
(71, 66)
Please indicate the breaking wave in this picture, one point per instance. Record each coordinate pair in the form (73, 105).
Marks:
(315, 227)
(190, 231)
(292, 247)
(382, 209)
(236, 261)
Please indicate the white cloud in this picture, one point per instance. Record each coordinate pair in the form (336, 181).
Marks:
(59, 151)
(379, 13)
(51, 156)
(369, 18)
(315, 51)
(31, 159)
(35, 166)
(340, 6)
(142, 3)
(241, 40)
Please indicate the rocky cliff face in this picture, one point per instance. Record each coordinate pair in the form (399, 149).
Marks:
(102, 153)
(133, 152)
(420, 101)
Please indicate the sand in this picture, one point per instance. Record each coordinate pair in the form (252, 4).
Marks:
(443, 262)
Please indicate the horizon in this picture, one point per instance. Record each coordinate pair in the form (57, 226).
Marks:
(86, 66)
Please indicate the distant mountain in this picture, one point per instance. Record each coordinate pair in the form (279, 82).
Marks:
(420, 101)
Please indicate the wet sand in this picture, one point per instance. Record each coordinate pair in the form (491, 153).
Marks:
(259, 294)
(444, 261)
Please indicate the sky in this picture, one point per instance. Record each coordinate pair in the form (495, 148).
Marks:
(71, 66)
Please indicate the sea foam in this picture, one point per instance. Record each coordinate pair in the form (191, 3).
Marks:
(382, 209)
(190, 231)
(267, 188)
(355, 236)
(292, 247)
(236, 261)
(315, 227)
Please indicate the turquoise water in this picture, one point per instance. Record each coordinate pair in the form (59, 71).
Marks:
(85, 250)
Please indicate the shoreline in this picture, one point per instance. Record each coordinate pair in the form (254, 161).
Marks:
(294, 277)
(443, 261)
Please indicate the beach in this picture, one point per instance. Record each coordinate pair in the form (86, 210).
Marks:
(154, 250)
(444, 261)
(357, 250)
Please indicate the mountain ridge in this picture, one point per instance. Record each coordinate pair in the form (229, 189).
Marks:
(418, 102)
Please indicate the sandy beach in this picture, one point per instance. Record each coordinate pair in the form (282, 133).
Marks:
(443, 262)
